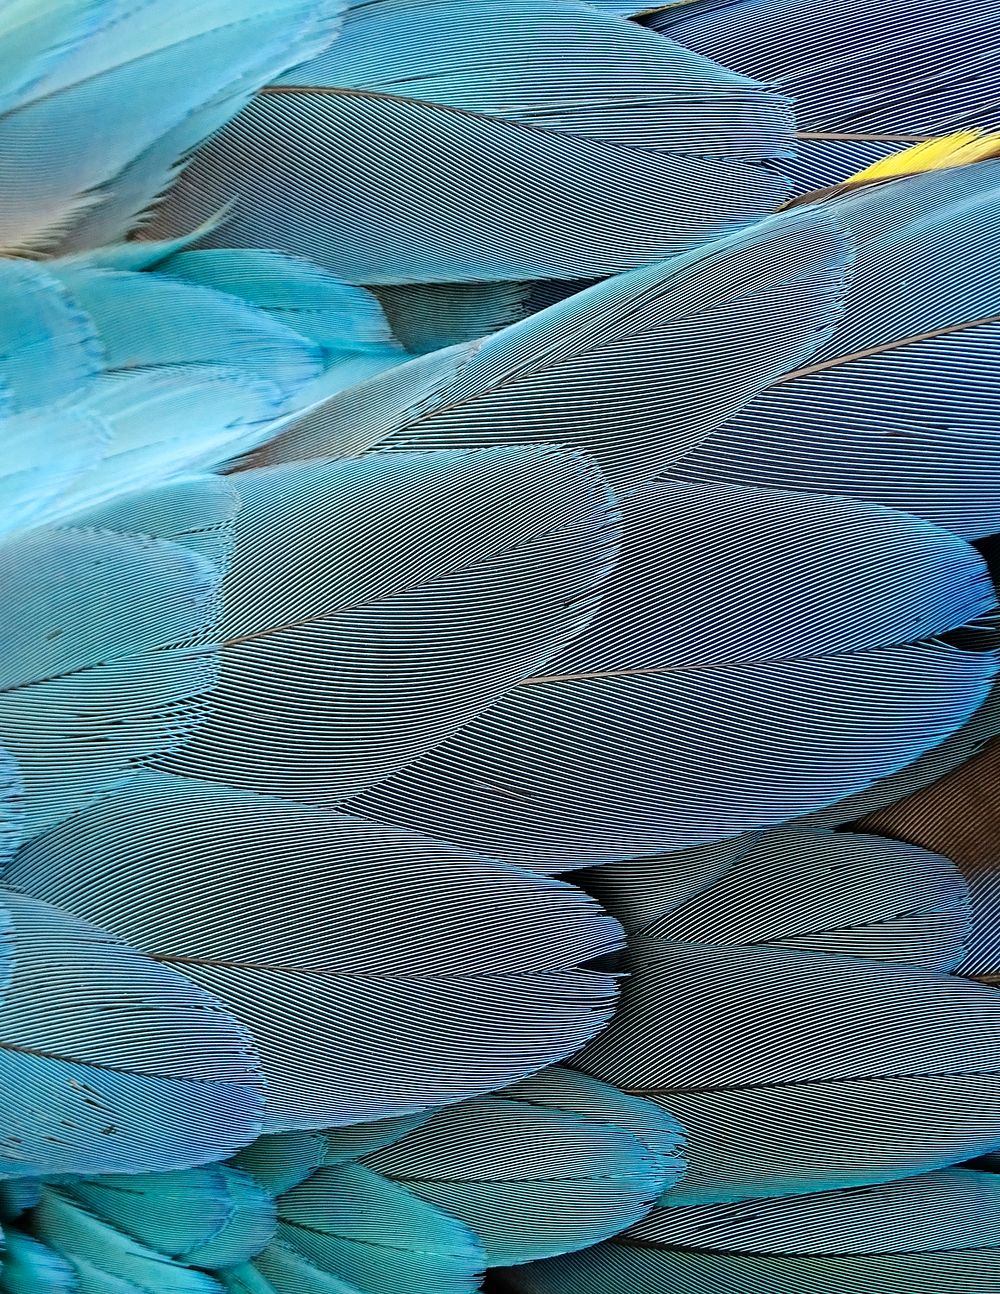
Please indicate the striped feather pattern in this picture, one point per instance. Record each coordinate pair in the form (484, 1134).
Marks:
(373, 996)
(376, 1236)
(30, 1267)
(131, 1067)
(106, 1260)
(592, 141)
(937, 1232)
(209, 1217)
(99, 99)
(714, 672)
(795, 1071)
(555, 1164)
(897, 405)
(959, 815)
(618, 371)
(101, 670)
(863, 76)
(831, 892)
(358, 631)
(640, 890)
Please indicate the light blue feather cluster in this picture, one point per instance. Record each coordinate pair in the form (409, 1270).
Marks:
(444, 445)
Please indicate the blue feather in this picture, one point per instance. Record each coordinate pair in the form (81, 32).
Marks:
(372, 996)
(89, 89)
(757, 656)
(129, 1067)
(938, 1232)
(632, 371)
(866, 78)
(898, 406)
(99, 671)
(496, 161)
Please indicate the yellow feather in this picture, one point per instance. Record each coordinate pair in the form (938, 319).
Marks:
(961, 149)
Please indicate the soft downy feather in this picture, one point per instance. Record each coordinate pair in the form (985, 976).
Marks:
(131, 1067)
(99, 100)
(373, 996)
(634, 371)
(898, 405)
(937, 1232)
(759, 640)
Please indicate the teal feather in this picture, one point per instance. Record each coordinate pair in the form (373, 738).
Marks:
(634, 371)
(90, 88)
(29, 1267)
(131, 1067)
(373, 997)
(206, 1217)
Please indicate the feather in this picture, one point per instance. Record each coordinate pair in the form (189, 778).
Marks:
(897, 407)
(867, 79)
(17, 1195)
(430, 316)
(959, 816)
(209, 1217)
(732, 688)
(73, 77)
(831, 892)
(100, 668)
(532, 1176)
(359, 630)
(624, 150)
(341, 318)
(642, 889)
(633, 371)
(372, 996)
(284, 1159)
(374, 1235)
(795, 1071)
(131, 1067)
(246, 1279)
(30, 1267)
(962, 745)
(98, 1250)
(938, 1232)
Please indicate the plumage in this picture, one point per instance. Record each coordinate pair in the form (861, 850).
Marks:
(937, 1232)
(867, 79)
(215, 1216)
(101, 669)
(356, 622)
(81, 164)
(634, 371)
(551, 1165)
(897, 406)
(372, 996)
(371, 1235)
(958, 815)
(794, 1071)
(733, 688)
(599, 137)
(129, 1066)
